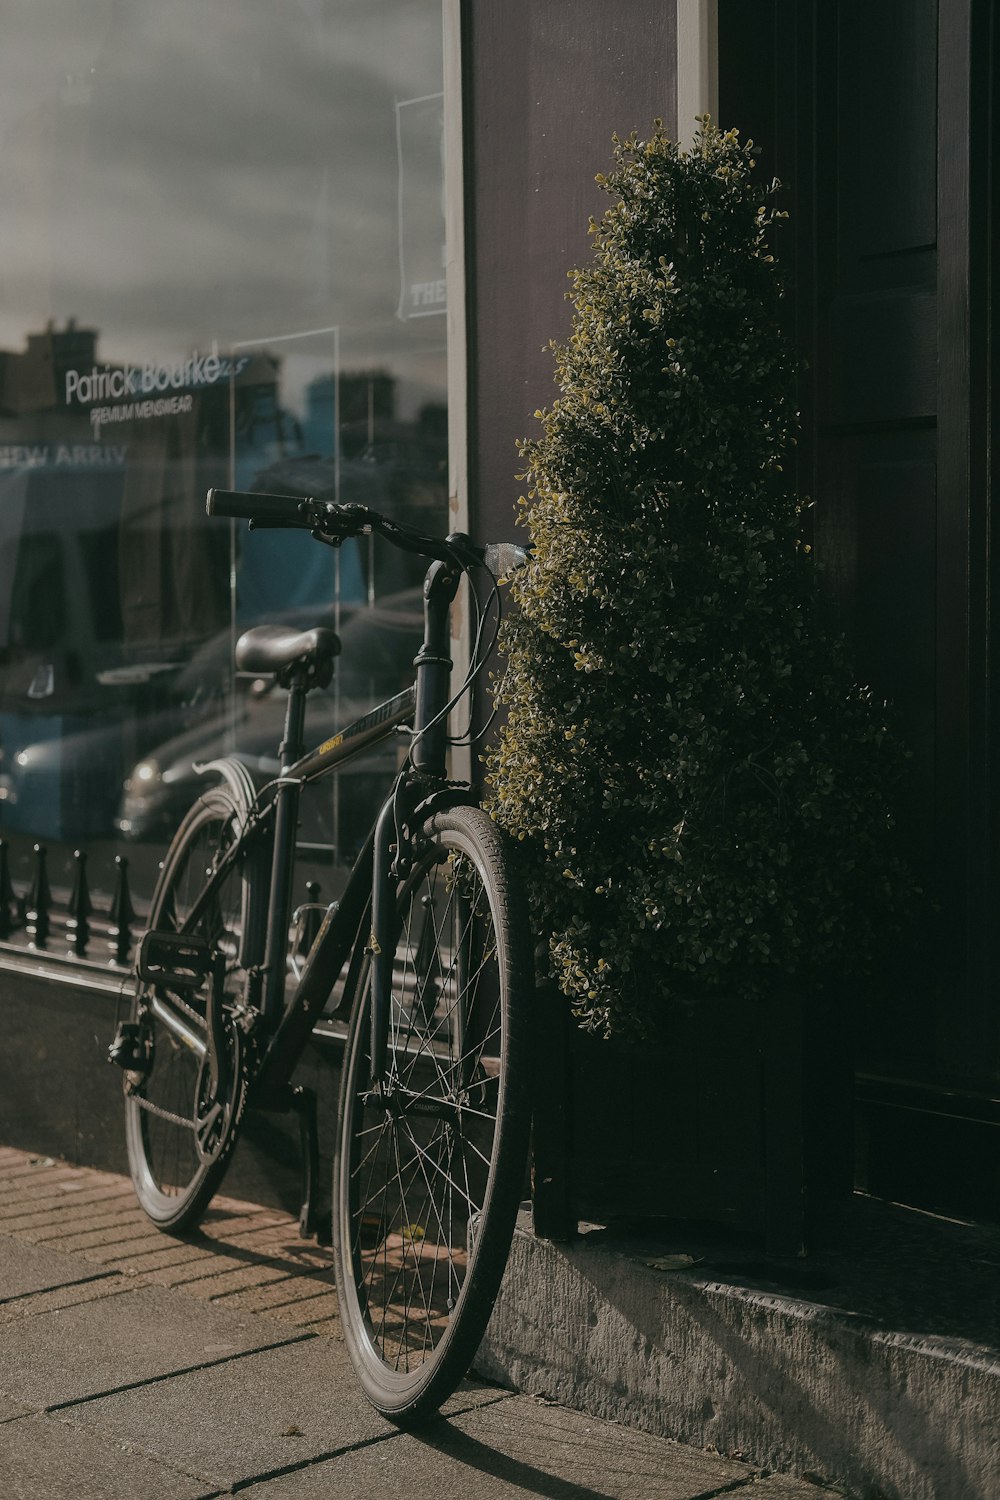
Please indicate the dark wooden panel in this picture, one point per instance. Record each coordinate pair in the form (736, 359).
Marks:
(742, 1118)
(675, 1131)
(887, 127)
(931, 1157)
(968, 1021)
(886, 124)
(883, 357)
(878, 516)
(747, 74)
(895, 610)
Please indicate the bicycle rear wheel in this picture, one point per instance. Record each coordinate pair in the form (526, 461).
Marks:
(178, 1133)
(430, 1169)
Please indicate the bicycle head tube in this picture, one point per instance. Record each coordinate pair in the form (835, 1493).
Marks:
(433, 671)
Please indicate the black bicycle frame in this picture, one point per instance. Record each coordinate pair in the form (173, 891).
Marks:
(370, 886)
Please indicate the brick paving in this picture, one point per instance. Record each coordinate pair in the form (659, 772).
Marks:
(243, 1257)
(210, 1401)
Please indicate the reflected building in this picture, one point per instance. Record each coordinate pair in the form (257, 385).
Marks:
(213, 269)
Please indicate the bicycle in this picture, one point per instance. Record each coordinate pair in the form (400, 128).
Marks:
(432, 940)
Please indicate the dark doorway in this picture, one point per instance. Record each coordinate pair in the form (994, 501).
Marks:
(880, 119)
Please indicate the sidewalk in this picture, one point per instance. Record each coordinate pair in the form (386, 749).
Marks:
(132, 1364)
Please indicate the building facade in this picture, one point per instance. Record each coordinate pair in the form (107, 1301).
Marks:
(321, 248)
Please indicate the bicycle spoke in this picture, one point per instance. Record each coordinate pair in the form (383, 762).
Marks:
(178, 1133)
(432, 1175)
(414, 1243)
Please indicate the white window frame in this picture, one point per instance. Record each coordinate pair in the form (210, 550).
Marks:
(697, 65)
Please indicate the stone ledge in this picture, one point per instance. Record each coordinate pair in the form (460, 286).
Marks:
(786, 1382)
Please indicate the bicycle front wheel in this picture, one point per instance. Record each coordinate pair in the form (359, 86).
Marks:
(430, 1165)
(178, 1129)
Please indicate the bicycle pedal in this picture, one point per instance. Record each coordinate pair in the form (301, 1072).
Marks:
(173, 960)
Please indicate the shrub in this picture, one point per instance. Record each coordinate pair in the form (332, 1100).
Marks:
(701, 791)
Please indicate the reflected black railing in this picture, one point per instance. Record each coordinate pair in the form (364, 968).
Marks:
(67, 922)
(36, 914)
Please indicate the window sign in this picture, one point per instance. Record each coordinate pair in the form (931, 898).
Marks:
(221, 263)
(420, 139)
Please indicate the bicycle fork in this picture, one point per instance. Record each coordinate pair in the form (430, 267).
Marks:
(382, 941)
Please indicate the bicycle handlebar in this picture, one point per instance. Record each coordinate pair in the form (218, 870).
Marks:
(332, 523)
(283, 509)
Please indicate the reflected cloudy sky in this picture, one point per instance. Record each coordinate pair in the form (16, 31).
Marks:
(173, 173)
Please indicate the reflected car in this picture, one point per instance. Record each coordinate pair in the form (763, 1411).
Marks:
(379, 644)
(68, 786)
(67, 783)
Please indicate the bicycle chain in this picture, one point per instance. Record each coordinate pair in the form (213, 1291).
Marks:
(241, 1015)
(192, 1125)
(245, 1022)
(187, 1010)
(164, 1114)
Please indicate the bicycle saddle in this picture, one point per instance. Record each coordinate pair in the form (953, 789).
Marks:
(279, 649)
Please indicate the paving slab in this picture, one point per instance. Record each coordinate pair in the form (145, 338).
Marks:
(24, 1270)
(112, 1386)
(234, 1422)
(11, 1410)
(63, 1214)
(517, 1447)
(266, 1297)
(78, 1352)
(241, 1248)
(788, 1487)
(238, 1420)
(59, 1298)
(41, 1456)
(60, 1193)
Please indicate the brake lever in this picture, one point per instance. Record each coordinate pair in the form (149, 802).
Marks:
(332, 523)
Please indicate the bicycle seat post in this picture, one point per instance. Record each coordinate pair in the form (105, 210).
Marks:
(283, 859)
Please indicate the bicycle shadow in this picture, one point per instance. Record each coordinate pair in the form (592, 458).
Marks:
(546, 1444)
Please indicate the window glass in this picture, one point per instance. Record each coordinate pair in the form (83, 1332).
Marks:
(221, 263)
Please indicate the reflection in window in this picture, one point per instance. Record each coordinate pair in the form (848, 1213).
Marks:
(222, 249)
(37, 598)
(99, 551)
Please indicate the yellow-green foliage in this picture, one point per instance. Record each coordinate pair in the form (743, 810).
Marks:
(701, 791)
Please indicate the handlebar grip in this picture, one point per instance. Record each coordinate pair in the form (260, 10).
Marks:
(283, 509)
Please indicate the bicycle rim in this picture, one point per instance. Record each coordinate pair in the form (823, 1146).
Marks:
(429, 1175)
(179, 1138)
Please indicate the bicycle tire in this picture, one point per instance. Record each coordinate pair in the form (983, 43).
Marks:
(416, 1281)
(177, 1152)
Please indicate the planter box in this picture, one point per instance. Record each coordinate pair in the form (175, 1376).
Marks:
(744, 1120)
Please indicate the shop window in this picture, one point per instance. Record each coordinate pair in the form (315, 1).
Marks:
(38, 595)
(222, 249)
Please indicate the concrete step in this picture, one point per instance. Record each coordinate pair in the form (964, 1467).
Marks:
(875, 1365)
